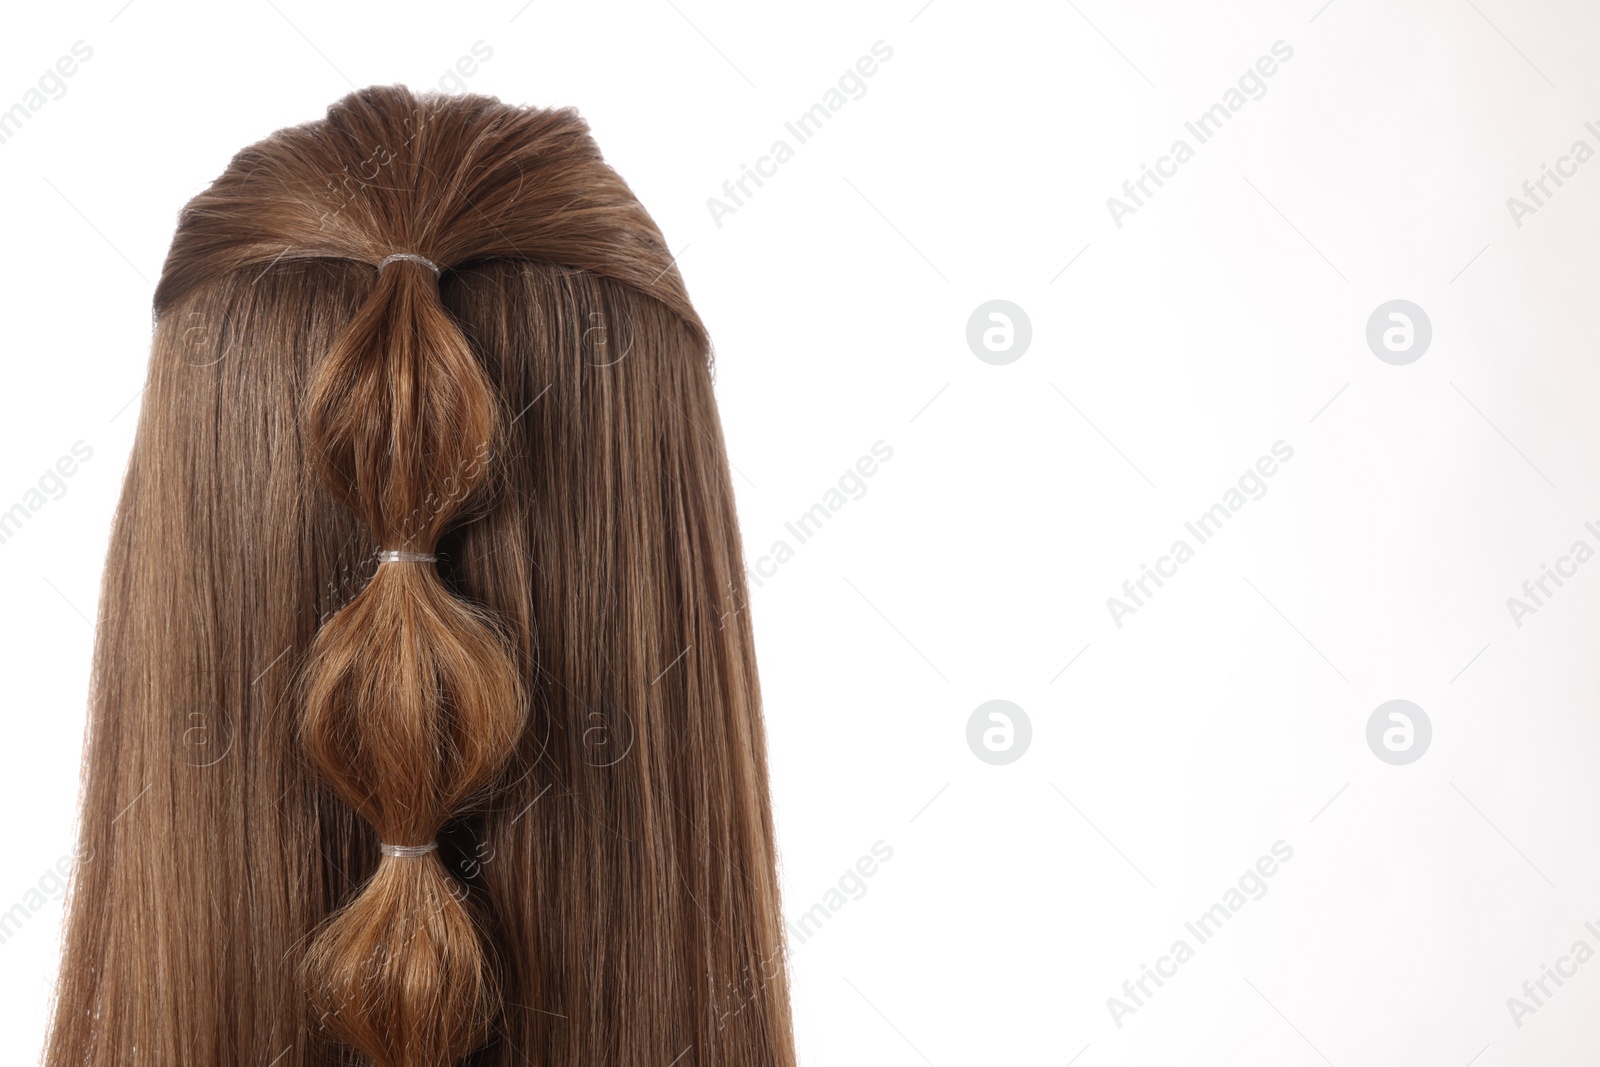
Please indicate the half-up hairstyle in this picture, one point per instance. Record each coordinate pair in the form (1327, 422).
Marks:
(425, 726)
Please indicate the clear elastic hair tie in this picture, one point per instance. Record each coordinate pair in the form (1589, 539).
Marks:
(400, 555)
(413, 257)
(408, 850)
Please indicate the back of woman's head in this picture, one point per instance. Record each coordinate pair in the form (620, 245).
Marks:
(425, 726)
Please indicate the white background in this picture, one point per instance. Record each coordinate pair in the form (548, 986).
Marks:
(1227, 314)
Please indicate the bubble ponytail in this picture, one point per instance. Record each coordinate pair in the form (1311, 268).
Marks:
(438, 554)
(412, 700)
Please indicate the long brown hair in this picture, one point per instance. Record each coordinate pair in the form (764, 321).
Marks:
(553, 679)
